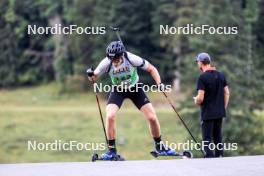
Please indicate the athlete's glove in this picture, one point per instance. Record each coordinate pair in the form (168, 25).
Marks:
(90, 72)
(161, 87)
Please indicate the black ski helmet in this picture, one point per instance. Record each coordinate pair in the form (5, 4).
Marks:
(115, 49)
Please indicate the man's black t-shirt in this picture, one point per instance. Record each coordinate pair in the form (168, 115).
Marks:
(213, 83)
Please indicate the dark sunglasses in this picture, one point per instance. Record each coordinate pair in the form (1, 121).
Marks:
(117, 56)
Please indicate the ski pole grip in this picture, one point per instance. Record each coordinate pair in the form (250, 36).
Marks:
(90, 72)
(114, 28)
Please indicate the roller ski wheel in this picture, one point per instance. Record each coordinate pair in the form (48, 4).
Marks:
(94, 157)
(187, 154)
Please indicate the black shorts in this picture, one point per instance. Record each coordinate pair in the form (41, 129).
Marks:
(139, 98)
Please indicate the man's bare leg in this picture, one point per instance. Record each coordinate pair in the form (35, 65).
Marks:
(150, 115)
(111, 111)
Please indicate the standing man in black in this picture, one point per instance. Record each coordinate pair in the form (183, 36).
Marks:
(212, 97)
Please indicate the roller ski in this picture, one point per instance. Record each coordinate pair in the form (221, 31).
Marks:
(184, 154)
(108, 156)
(162, 150)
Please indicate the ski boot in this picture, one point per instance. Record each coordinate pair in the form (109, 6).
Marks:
(108, 156)
(166, 151)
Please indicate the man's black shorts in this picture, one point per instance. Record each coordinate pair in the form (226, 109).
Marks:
(138, 97)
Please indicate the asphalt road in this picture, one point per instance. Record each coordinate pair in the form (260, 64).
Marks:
(241, 166)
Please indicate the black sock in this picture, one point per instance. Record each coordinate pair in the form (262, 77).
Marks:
(157, 139)
(158, 143)
(111, 145)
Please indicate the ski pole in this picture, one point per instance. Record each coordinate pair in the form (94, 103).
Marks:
(100, 111)
(181, 119)
(116, 30)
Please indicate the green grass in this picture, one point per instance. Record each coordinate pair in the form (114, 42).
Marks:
(40, 114)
